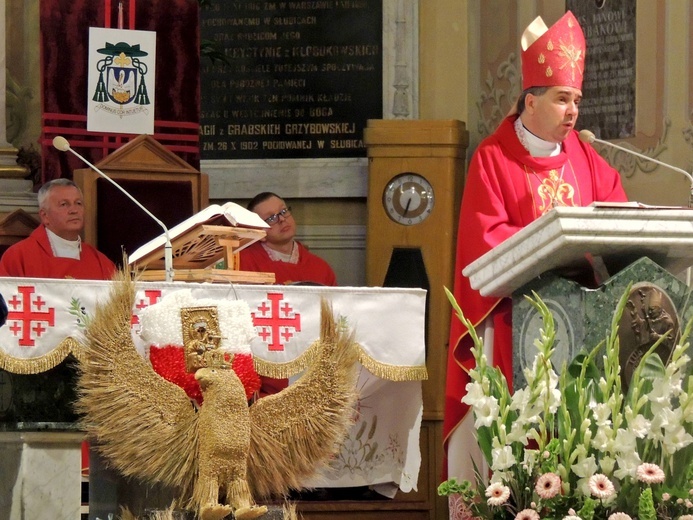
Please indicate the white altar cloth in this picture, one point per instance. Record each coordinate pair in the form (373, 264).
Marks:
(46, 317)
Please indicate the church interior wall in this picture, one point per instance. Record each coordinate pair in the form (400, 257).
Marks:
(468, 70)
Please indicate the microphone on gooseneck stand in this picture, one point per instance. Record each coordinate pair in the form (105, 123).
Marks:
(63, 145)
(588, 137)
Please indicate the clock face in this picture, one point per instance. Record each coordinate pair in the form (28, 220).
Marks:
(408, 199)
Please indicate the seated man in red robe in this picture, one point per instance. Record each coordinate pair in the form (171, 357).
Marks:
(55, 249)
(280, 253)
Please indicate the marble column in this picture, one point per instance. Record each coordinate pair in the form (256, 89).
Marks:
(15, 190)
(40, 475)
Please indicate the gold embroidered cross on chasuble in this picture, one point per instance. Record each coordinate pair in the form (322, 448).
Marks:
(552, 188)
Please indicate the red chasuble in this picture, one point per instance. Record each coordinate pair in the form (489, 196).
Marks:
(506, 189)
(33, 258)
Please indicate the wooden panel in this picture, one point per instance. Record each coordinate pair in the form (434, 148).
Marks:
(16, 226)
(436, 150)
(141, 160)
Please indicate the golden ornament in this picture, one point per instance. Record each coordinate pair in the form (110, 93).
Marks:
(225, 454)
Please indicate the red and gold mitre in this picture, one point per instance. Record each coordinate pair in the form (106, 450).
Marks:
(553, 56)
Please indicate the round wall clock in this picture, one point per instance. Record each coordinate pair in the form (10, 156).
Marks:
(408, 198)
(412, 165)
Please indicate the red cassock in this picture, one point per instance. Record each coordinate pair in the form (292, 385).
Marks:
(506, 189)
(33, 258)
(310, 268)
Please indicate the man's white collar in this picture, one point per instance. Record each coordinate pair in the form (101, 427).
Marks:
(64, 248)
(536, 146)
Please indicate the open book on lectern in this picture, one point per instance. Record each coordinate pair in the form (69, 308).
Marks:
(192, 246)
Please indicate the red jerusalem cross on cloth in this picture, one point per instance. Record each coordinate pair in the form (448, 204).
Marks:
(277, 321)
(27, 314)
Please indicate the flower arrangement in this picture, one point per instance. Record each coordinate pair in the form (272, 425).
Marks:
(571, 445)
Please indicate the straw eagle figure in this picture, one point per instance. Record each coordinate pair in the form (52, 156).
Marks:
(224, 455)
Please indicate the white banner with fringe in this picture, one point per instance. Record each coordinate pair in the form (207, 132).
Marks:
(46, 319)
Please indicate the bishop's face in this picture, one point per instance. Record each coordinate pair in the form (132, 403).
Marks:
(552, 115)
(63, 212)
(281, 233)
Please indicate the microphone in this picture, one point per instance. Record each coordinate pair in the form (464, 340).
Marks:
(588, 137)
(62, 144)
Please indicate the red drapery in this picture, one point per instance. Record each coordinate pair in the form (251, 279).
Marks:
(64, 61)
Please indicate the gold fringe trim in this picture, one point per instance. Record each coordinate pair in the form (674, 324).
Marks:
(290, 368)
(42, 363)
(392, 372)
(375, 367)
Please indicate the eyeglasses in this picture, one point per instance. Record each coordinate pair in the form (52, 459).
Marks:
(273, 219)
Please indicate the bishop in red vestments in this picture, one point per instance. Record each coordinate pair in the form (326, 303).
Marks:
(532, 163)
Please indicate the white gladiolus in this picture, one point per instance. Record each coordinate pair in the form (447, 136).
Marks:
(676, 439)
(585, 467)
(639, 426)
(518, 433)
(603, 440)
(627, 465)
(664, 419)
(607, 464)
(474, 392)
(601, 414)
(520, 400)
(625, 441)
(486, 411)
(663, 389)
(502, 458)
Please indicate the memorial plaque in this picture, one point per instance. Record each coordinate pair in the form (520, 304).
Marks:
(302, 79)
(608, 88)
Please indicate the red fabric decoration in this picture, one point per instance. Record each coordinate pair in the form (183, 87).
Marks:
(169, 363)
(245, 370)
(64, 48)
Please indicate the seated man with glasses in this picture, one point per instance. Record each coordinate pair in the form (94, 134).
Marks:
(281, 254)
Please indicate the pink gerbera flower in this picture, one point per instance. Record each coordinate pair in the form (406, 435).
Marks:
(497, 494)
(650, 473)
(600, 486)
(619, 516)
(527, 514)
(548, 485)
(572, 515)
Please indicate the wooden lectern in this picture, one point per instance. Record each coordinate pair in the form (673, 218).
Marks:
(199, 243)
